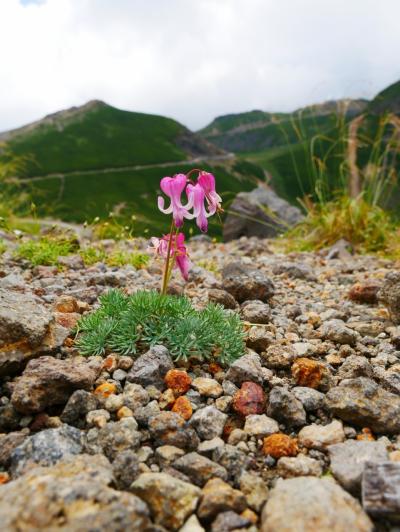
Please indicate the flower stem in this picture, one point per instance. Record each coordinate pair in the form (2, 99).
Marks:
(165, 278)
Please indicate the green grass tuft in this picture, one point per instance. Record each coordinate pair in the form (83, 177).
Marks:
(131, 324)
(45, 251)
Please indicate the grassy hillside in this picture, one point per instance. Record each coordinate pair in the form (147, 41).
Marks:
(98, 136)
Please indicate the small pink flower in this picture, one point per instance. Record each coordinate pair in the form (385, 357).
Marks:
(207, 183)
(182, 258)
(196, 196)
(159, 246)
(173, 188)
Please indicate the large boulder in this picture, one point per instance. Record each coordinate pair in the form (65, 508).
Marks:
(261, 213)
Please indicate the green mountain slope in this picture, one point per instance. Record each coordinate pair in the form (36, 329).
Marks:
(97, 136)
(88, 161)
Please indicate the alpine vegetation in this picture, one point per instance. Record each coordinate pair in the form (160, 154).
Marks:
(129, 325)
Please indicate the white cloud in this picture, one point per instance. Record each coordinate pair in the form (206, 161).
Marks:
(192, 59)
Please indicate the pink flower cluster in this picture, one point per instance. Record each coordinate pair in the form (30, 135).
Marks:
(199, 195)
(202, 201)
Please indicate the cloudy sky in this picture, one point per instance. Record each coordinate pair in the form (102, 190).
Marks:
(192, 59)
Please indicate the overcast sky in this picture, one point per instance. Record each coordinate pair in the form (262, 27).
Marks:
(192, 59)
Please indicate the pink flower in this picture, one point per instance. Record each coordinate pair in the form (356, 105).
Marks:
(182, 258)
(196, 196)
(173, 188)
(159, 246)
(207, 183)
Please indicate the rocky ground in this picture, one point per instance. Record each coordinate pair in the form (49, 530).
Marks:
(300, 434)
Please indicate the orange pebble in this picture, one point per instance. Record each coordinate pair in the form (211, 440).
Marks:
(178, 380)
(124, 411)
(183, 407)
(105, 389)
(4, 478)
(278, 445)
(366, 435)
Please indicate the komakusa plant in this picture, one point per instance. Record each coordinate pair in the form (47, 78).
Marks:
(202, 202)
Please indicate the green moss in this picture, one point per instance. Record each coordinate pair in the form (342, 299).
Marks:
(130, 324)
(45, 251)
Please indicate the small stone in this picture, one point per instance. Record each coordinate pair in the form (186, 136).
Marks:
(105, 390)
(207, 387)
(110, 363)
(8, 442)
(348, 460)
(246, 283)
(380, 489)
(236, 436)
(192, 525)
(279, 356)
(4, 477)
(364, 292)
(260, 426)
(116, 437)
(308, 372)
(183, 407)
(222, 297)
(135, 396)
(258, 338)
(171, 500)
(46, 448)
(299, 466)
(48, 381)
(226, 521)
(208, 422)
(124, 411)
(209, 446)
(114, 402)
(143, 414)
(151, 367)
(169, 428)
(98, 418)
(336, 331)
(312, 504)
(125, 363)
(254, 489)
(295, 270)
(78, 405)
(165, 454)
(232, 459)
(284, 407)
(119, 375)
(256, 312)
(355, 366)
(217, 497)
(199, 468)
(224, 403)
(246, 368)
(66, 304)
(166, 399)
(125, 468)
(178, 380)
(363, 402)
(389, 295)
(310, 399)
(250, 399)
(321, 436)
(278, 445)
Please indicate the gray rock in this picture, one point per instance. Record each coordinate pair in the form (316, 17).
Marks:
(169, 428)
(337, 331)
(284, 407)
(125, 468)
(260, 425)
(46, 448)
(313, 505)
(143, 414)
(355, 366)
(389, 379)
(295, 270)
(364, 403)
(72, 495)
(381, 489)
(192, 525)
(48, 381)
(222, 297)
(298, 466)
(235, 461)
(151, 367)
(258, 338)
(256, 312)
(321, 436)
(260, 213)
(208, 422)
(348, 460)
(279, 356)
(244, 283)
(170, 500)
(199, 468)
(311, 399)
(116, 437)
(227, 521)
(389, 294)
(246, 368)
(8, 442)
(218, 496)
(78, 405)
(254, 489)
(24, 324)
